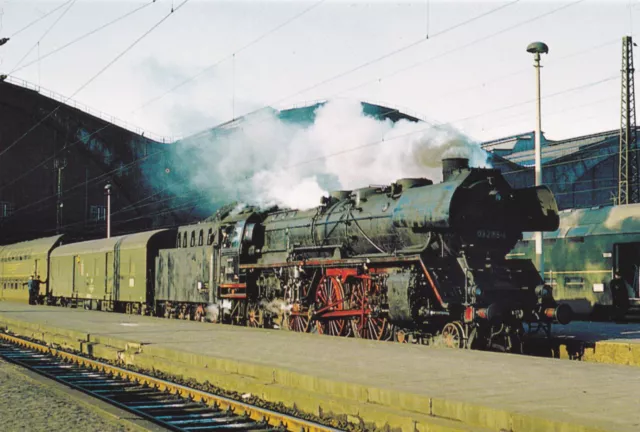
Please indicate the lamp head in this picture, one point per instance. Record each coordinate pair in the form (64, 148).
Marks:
(538, 48)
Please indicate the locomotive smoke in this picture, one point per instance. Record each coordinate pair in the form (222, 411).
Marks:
(265, 160)
(276, 306)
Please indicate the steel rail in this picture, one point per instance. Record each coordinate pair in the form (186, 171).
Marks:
(173, 406)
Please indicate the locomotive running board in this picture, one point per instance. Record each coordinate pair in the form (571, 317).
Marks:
(335, 262)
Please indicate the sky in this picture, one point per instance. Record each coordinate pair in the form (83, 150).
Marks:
(472, 71)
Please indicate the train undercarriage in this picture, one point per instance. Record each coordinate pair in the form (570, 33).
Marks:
(381, 300)
(356, 299)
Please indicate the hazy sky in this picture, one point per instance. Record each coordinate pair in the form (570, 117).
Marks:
(478, 76)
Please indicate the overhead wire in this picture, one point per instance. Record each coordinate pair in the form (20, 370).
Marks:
(46, 32)
(37, 20)
(500, 78)
(165, 210)
(537, 17)
(85, 35)
(366, 64)
(397, 51)
(233, 54)
(122, 53)
(549, 96)
(504, 124)
(458, 48)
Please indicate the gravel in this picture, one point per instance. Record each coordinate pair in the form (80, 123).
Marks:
(30, 405)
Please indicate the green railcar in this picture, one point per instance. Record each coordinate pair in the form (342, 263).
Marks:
(108, 274)
(19, 261)
(583, 253)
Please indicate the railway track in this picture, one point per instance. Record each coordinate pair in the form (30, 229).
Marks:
(172, 406)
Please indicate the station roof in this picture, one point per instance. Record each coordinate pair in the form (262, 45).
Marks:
(520, 148)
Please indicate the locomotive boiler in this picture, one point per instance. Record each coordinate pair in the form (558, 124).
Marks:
(406, 261)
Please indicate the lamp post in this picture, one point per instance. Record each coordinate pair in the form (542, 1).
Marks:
(537, 48)
(107, 191)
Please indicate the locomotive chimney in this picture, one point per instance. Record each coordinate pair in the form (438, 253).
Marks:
(451, 165)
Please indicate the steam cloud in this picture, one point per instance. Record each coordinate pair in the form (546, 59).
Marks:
(264, 160)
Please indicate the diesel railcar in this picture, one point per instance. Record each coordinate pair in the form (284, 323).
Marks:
(582, 255)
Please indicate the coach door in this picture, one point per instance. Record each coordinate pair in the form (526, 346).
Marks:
(36, 272)
(627, 259)
(108, 276)
(77, 275)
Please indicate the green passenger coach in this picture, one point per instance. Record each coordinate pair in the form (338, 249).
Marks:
(108, 274)
(584, 252)
(19, 261)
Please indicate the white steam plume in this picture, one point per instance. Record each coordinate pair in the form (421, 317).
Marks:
(262, 160)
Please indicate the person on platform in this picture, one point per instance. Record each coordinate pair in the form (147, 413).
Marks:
(620, 297)
(37, 281)
(31, 286)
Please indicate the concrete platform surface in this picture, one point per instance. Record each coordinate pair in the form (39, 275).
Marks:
(409, 387)
(599, 342)
(599, 331)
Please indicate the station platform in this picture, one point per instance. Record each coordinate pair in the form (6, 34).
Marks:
(406, 387)
(600, 342)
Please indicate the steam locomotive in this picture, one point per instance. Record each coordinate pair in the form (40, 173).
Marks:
(403, 262)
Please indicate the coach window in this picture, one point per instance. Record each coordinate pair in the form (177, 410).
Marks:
(184, 240)
(210, 236)
(574, 282)
(178, 240)
(193, 239)
(201, 238)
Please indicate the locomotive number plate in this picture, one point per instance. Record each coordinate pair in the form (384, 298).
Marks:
(490, 234)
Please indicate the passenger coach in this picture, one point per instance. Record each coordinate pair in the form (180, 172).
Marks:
(584, 252)
(19, 261)
(117, 273)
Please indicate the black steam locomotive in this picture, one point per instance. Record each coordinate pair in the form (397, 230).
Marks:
(401, 262)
